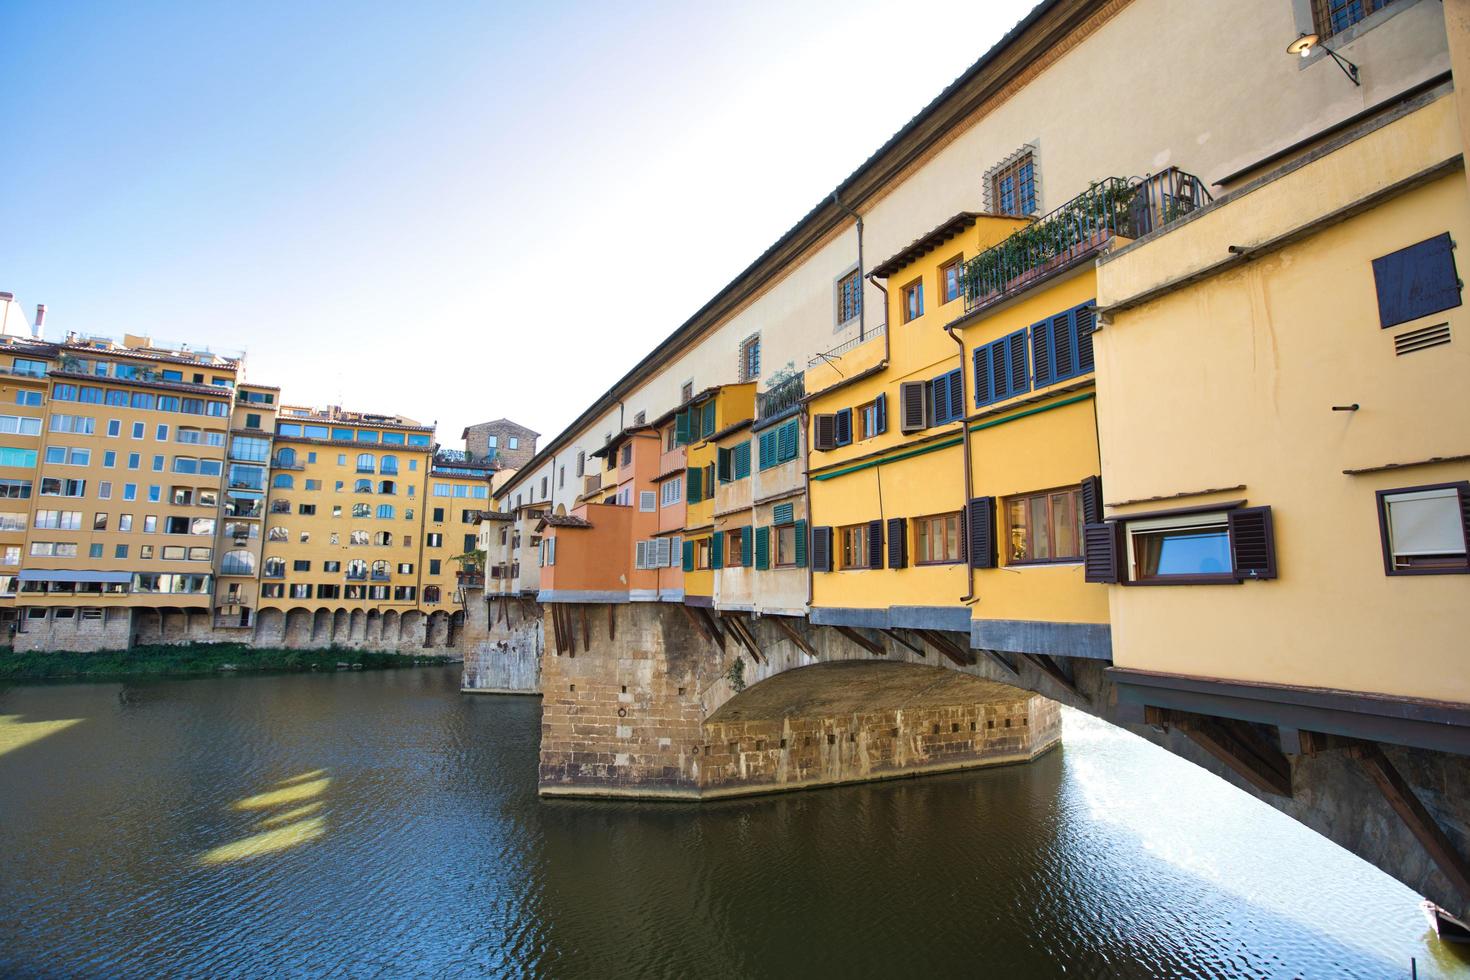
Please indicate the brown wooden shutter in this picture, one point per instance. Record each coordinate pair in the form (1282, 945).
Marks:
(821, 548)
(1102, 549)
(1252, 542)
(824, 429)
(981, 529)
(898, 542)
(1464, 513)
(875, 544)
(1092, 500)
(913, 417)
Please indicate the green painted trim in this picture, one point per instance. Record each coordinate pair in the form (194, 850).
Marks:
(946, 444)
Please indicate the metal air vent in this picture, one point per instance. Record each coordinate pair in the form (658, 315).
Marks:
(1424, 337)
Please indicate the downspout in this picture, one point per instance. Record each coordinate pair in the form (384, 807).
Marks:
(806, 476)
(862, 306)
(969, 596)
(886, 333)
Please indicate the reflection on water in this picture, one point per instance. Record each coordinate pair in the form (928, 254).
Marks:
(15, 733)
(383, 823)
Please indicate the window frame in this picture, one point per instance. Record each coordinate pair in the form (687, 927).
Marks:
(1177, 521)
(911, 300)
(1007, 528)
(852, 539)
(957, 264)
(921, 522)
(841, 295)
(1380, 500)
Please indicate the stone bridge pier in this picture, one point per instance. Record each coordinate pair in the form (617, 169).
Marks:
(654, 700)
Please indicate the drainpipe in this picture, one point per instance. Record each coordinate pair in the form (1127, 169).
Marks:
(862, 306)
(886, 332)
(969, 596)
(806, 476)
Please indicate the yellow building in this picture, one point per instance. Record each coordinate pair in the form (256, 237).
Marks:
(1285, 440)
(697, 423)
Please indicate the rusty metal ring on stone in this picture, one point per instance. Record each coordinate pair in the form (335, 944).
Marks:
(622, 712)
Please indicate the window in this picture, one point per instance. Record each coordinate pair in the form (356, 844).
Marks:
(1332, 16)
(1045, 527)
(1011, 186)
(1191, 546)
(161, 433)
(735, 556)
(849, 297)
(434, 566)
(1000, 367)
(283, 481)
(81, 424)
(671, 491)
(949, 279)
(1061, 345)
(385, 512)
(17, 457)
(626, 455)
(383, 539)
(31, 398)
(872, 418)
(946, 402)
(306, 510)
(514, 442)
(438, 515)
(366, 463)
(252, 421)
(138, 429)
(120, 551)
(1425, 529)
(779, 444)
(435, 541)
(114, 428)
(331, 566)
(29, 368)
(301, 565)
(750, 358)
(493, 442)
(913, 300)
(937, 539)
(150, 524)
(855, 546)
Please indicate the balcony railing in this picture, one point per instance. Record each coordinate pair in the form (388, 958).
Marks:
(471, 580)
(281, 464)
(857, 340)
(780, 397)
(1112, 207)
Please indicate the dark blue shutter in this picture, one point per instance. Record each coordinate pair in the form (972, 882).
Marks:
(1085, 318)
(844, 427)
(956, 395)
(1064, 345)
(1041, 347)
(983, 393)
(1416, 281)
(1018, 382)
(880, 414)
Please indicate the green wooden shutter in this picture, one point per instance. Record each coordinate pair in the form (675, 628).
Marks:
(786, 442)
(723, 465)
(709, 419)
(717, 550)
(688, 556)
(763, 548)
(740, 460)
(801, 543)
(693, 479)
(681, 429)
(746, 558)
(768, 449)
(783, 513)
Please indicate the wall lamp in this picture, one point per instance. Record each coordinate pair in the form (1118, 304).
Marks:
(1304, 44)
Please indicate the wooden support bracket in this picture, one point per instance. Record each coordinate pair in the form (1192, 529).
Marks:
(586, 630)
(698, 624)
(1054, 670)
(875, 649)
(1257, 760)
(745, 635)
(1421, 823)
(715, 632)
(897, 637)
(794, 636)
(960, 656)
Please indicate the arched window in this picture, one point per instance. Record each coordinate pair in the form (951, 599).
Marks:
(237, 563)
(363, 486)
(380, 570)
(278, 533)
(365, 462)
(388, 465)
(286, 456)
(357, 568)
(283, 481)
(431, 593)
(362, 510)
(385, 512)
(387, 486)
(275, 567)
(383, 539)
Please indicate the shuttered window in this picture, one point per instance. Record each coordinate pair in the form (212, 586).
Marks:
(800, 544)
(783, 514)
(695, 479)
(762, 548)
(1193, 548)
(898, 543)
(682, 426)
(717, 550)
(786, 442)
(913, 404)
(1061, 345)
(722, 464)
(821, 548)
(1416, 281)
(1425, 529)
(707, 428)
(824, 432)
(740, 461)
(945, 397)
(688, 556)
(1000, 369)
(843, 427)
(980, 528)
(768, 449)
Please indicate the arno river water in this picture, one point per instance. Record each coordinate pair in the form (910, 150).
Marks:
(383, 824)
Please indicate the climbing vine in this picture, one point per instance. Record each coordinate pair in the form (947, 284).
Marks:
(736, 674)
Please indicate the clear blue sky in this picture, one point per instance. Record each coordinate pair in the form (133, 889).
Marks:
(401, 206)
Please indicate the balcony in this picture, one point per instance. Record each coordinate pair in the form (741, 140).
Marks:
(1114, 207)
(471, 580)
(281, 464)
(780, 397)
(381, 577)
(591, 483)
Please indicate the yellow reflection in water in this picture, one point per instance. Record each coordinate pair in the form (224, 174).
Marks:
(289, 794)
(289, 815)
(267, 842)
(15, 733)
(282, 830)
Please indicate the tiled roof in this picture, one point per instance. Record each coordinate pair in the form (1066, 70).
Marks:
(552, 520)
(927, 243)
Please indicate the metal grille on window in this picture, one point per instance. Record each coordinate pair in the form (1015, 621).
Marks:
(1332, 16)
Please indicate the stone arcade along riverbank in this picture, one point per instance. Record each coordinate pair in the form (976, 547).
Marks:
(384, 823)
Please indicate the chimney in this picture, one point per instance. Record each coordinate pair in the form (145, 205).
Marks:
(40, 319)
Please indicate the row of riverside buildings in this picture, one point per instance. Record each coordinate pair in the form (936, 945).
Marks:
(149, 493)
(1140, 346)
